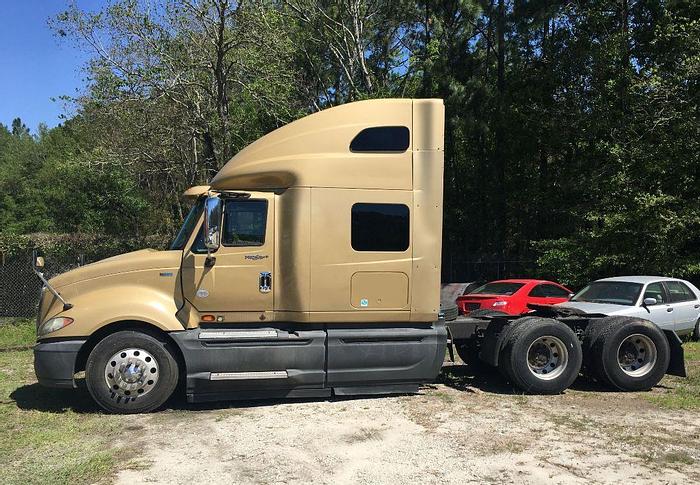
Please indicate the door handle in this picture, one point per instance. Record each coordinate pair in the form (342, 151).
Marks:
(669, 309)
(265, 281)
(697, 306)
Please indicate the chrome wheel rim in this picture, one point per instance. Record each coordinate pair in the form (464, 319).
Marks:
(547, 357)
(636, 355)
(131, 373)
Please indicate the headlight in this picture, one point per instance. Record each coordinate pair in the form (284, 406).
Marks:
(52, 325)
(499, 303)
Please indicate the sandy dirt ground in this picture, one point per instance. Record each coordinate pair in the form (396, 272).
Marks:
(464, 430)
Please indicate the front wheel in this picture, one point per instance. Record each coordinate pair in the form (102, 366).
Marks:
(541, 355)
(130, 372)
(696, 332)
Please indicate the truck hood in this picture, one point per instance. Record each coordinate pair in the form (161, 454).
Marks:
(135, 261)
(604, 308)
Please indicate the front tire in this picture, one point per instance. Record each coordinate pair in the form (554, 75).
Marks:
(541, 356)
(131, 372)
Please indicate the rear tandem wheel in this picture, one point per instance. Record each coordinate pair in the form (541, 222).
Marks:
(541, 355)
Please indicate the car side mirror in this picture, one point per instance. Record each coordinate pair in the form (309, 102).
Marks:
(650, 301)
(212, 223)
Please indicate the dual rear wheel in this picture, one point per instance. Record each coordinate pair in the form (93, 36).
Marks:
(541, 355)
(629, 354)
(545, 356)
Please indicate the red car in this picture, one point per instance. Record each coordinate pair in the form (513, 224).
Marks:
(512, 296)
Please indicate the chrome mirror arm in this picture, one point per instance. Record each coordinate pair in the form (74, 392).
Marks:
(66, 305)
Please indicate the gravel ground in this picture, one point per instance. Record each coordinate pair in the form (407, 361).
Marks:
(463, 430)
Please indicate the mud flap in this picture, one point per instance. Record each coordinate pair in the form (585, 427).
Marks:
(676, 365)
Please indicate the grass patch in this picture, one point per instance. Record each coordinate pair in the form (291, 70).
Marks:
(48, 435)
(676, 457)
(682, 393)
(16, 332)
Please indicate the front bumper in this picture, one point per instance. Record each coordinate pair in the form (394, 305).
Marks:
(54, 362)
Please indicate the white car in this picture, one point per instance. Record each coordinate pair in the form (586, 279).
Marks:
(670, 303)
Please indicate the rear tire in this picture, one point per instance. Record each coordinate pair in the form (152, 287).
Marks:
(468, 351)
(630, 354)
(541, 356)
(696, 332)
(130, 372)
(590, 367)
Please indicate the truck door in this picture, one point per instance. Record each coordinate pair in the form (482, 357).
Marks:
(239, 284)
(246, 350)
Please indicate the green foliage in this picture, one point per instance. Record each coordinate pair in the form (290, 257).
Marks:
(571, 136)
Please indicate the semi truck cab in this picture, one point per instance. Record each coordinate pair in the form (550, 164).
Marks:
(309, 266)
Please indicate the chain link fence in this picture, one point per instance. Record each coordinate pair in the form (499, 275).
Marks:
(20, 286)
(456, 269)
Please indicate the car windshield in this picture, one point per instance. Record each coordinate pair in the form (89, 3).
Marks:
(615, 292)
(188, 226)
(497, 288)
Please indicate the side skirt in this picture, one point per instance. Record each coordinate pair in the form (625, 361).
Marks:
(231, 362)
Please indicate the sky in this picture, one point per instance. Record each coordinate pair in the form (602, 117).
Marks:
(36, 65)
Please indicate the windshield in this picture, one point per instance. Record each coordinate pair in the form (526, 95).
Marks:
(188, 226)
(615, 292)
(502, 288)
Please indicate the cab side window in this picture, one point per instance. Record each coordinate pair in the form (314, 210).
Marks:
(380, 227)
(679, 292)
(656, 291)
(244, 222)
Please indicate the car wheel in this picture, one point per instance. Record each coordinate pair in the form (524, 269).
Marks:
(541, 355)
(696, 332)
(130, 372)
(630, 354)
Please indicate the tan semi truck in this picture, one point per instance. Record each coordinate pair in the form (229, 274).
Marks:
(310, 266)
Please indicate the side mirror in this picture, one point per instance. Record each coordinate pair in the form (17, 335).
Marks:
(39, 262)
(212, 223)
(650, 301)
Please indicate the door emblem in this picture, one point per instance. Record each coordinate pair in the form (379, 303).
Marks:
(202, 293)
(265, 281)
(364, 302)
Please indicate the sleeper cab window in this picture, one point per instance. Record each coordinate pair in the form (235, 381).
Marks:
(380, 227)
(381, 139)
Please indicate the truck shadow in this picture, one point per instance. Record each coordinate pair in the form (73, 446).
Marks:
(34, 397)
(39, 398)
(459, 377)
(487, 379)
